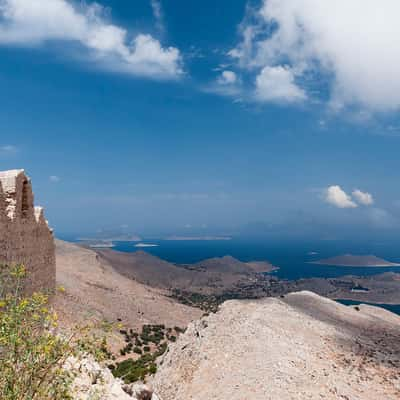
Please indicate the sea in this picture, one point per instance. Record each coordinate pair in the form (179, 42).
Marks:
(292, 257)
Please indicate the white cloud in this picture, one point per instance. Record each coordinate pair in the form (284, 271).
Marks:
(363, 198)
(32, 23)
(278, 84)
(158, 14)
(336, 196)
(54, 178)
(352, 44)
(226, 84)
(8, 148)
(227, 78)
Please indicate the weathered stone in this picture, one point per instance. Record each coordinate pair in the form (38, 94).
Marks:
(94, 381)
(302, 347)
(139, 391)
(25, 237)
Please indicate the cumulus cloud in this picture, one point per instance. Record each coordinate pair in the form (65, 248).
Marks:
(227, 83)
(337, 197)
(278, 84)
(227, 78)
(363, 198)
(351, 45)
(31, 23)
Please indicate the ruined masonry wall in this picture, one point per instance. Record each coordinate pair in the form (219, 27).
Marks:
(25, 237)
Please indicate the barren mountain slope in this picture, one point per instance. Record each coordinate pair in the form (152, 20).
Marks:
(211, 276)
(147, 269)
(300, 347)
(95, 291)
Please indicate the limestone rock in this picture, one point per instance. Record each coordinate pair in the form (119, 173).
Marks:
(95, 381)
(301, 347)
(139, 391)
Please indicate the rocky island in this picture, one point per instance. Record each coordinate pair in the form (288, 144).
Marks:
(349, 260)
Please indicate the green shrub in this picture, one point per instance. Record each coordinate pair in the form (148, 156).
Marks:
(133, 370)
(162, 348)
(31, 355)
(130, 370)
(153, 369)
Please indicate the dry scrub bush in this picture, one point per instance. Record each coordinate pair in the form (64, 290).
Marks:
(32, 352)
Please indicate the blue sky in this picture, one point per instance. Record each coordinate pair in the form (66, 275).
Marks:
(202, 117)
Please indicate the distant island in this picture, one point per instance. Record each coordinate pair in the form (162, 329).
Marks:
(101, 245)
(349, 260)
(96, 244)
(111, 238)
(198, 238)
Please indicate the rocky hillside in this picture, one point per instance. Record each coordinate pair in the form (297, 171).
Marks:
(300, 347)
(213, 276)
(94, 290)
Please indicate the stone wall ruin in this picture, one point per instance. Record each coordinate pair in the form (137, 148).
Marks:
(25, 237)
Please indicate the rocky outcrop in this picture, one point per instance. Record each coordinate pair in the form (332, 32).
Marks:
(94, 381)
(300, 347)
(25, 237)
